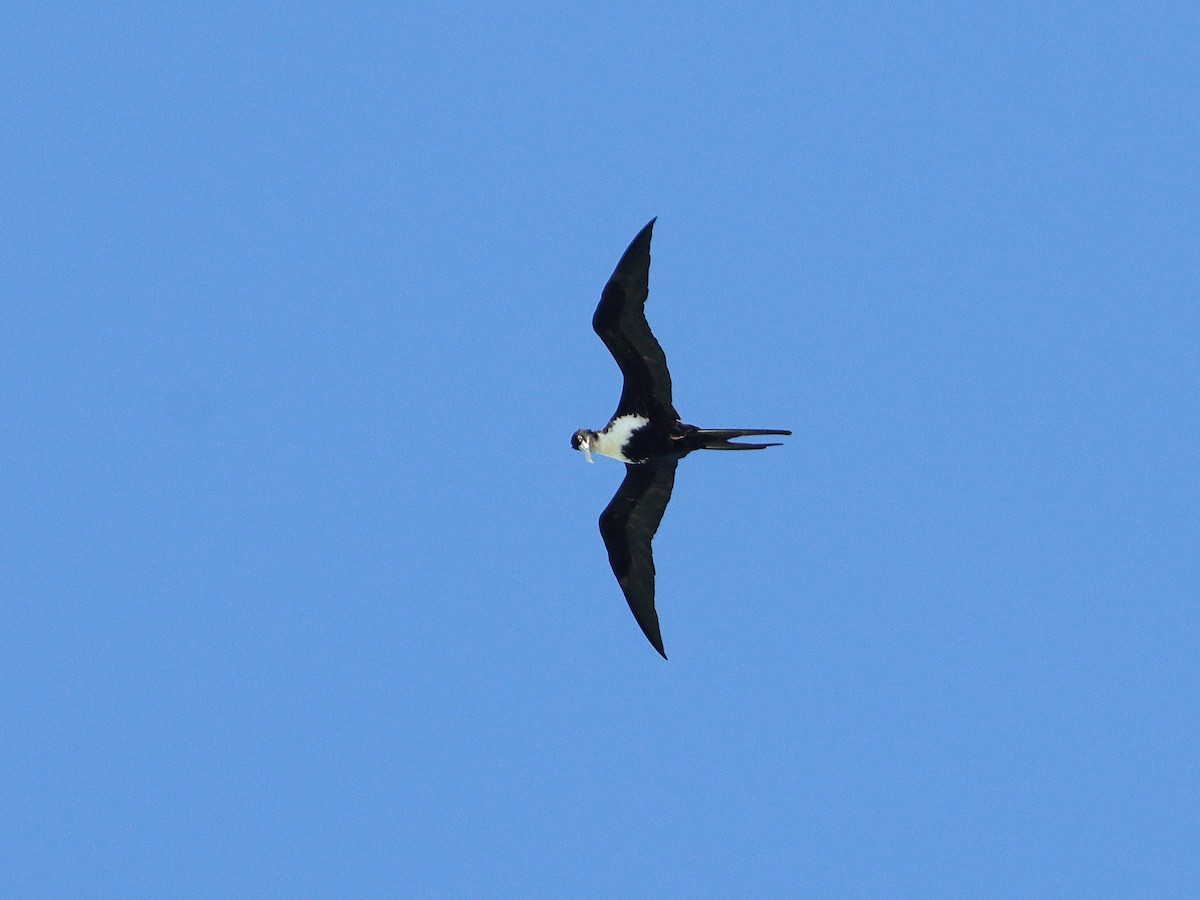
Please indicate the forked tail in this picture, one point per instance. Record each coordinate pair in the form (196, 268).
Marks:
(719, 438)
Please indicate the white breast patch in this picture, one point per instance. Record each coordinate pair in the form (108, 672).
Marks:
(613, 439)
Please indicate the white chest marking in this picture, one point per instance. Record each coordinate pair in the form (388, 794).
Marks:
(610, 441)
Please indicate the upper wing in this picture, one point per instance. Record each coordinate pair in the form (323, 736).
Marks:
(620, 320)
(627, 525)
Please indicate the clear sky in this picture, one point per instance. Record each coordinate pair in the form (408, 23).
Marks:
(301, 584)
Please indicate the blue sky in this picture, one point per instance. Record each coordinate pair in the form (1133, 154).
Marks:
(302, 588)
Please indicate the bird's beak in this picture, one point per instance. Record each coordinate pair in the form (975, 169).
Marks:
(586, 447)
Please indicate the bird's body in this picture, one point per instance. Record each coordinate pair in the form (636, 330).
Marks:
(616, 441)
(645, 433)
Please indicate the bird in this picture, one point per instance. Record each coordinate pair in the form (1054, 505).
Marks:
(645, 433)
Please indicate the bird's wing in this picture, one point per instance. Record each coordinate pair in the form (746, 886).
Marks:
(628, 525)
(620, 320)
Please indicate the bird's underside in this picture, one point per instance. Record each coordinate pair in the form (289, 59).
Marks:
(645, 433)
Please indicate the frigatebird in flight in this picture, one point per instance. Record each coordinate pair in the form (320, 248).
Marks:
(645, 433)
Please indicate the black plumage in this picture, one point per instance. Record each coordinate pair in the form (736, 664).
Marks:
(645, 433)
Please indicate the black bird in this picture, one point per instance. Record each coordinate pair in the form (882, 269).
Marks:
(645, 433)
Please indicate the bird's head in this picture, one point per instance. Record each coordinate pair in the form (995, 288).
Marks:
(582, 440)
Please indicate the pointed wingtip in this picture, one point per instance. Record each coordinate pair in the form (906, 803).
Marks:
(653, 635)
(649, 625)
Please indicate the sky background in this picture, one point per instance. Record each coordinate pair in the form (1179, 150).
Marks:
(301, 584)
